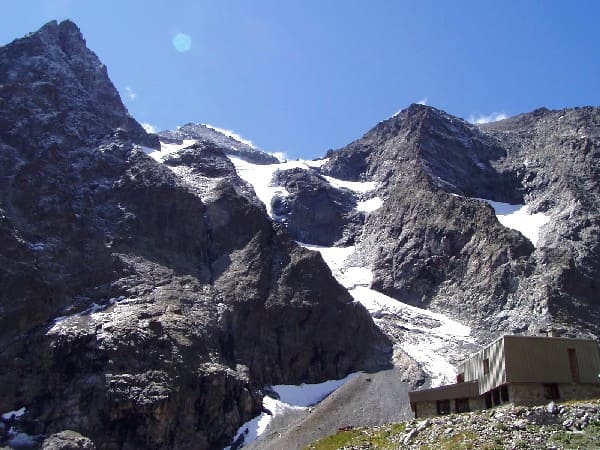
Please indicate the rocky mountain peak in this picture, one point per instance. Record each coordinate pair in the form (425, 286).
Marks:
(230, 143)
(427, 145)
(144, 303)
(50, 80)
(66, 34)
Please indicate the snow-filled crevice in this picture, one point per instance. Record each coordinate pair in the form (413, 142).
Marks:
(260, 176)
(434, 340)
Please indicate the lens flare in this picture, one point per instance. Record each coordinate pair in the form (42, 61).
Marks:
(182, 42)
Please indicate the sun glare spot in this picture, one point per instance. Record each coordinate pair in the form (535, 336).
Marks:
(182, 42)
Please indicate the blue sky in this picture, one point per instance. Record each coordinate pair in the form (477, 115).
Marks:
(304, 76)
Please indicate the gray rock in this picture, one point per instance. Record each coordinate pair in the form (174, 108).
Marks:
(227, 144)
(67, 440)
(145, 304)
(314, 212)
(433, 245)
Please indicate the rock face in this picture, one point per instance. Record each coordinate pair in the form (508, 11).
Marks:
(68, 440)
(144, 305)
(229, 144)
(433, 244)
(51, 77)
(314, 211)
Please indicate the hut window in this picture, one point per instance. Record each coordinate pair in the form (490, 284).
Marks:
(460, 378)
(443, 407)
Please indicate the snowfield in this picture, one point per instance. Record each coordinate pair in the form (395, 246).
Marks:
(260, 176)
(518, 217)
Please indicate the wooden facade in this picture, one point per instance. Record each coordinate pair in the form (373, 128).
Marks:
(532, 359)
(521, 370)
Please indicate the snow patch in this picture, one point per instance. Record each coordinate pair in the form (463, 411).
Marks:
(21, 440)
(361, 187)
(373, 204)
(316, 162)
(15, 413)
(482, 118)
(334, 257)
(37, 246)
(148, 127)
(260, 176)
(309, 394)
(428, 336)
(519, 218)
(281, 156)
(378, 303)
(167, 149)
(291, 397)
(90, 311)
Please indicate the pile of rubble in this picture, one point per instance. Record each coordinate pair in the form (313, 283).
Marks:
(549, 426)
(552, 426)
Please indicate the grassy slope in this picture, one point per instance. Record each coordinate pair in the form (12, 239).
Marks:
(487, 430)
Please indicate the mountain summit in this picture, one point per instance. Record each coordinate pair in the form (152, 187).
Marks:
(229, 144)
(156, 287)
(54, 88)
(136, 308)
(442, 237)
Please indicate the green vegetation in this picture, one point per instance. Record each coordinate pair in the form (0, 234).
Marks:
(380, 438)
(569, 439)
(497, 429)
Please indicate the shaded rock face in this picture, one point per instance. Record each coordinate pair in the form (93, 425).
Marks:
(433, 244)
(228, 144)
(315, 212)
(144, 305)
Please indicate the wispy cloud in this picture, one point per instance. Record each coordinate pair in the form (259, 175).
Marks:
(129, 92)
(281, 156)
(231, 134)
(493, 117)
(423, 101)
(148, 127)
